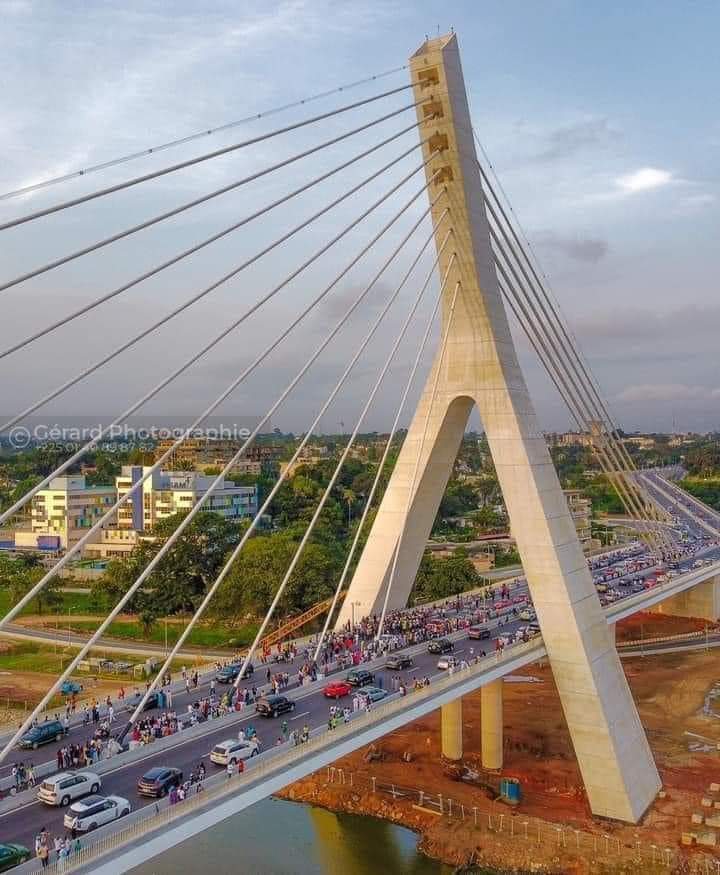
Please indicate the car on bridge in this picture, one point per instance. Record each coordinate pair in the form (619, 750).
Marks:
(272, 706)
(63, 788)
(399, 661)
(159, 781)
(447, 662)
(478, 633)
(441, 645)
(359, 677)
(375, 694)
(95, 811)
(12, 854)
(337, 689)
(229, 673)
(232, 750)
(44, 733)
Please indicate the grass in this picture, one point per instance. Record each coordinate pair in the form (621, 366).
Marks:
(28, 656)
(75, 602)
(202, 635)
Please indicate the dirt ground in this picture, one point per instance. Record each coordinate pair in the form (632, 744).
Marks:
(670, 692)
(646, 624)
(29, 687)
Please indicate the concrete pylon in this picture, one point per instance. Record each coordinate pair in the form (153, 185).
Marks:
(451, 730)
(491, 725)
(480, 366)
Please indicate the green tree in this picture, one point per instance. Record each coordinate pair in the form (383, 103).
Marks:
(19, 576)
(182, 576)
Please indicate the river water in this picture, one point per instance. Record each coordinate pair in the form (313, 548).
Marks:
(276, 837)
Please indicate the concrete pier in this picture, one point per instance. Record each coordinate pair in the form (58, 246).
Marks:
(451, 730)
(491, 724)
(701, 602)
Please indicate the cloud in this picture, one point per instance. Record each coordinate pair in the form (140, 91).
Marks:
(644, 179)
(668, 392)
(587, 249)
(569, 139)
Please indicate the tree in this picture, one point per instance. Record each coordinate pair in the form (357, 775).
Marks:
(19, 576)
(440, 578)
(182, 576)
(258, 571)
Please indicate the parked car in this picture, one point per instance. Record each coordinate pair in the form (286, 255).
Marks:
(271, 706)
(232, 750)
(478, 633)
(43, 733)
(375, 694)
(399, 661)
(69, 687)
(159, 781)
(12, 854)
(95, 811)
(337, 689)
(229, 673)
(441, 645)
(360, 677)
(63, 788)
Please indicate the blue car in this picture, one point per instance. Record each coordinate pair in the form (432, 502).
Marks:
(70, 687)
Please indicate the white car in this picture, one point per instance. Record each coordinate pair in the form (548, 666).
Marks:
(63, 788)
(446, 662)
(94, 811)
(527, 614)
(232, 750)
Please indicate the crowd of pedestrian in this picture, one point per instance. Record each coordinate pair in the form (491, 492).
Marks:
(63, 846)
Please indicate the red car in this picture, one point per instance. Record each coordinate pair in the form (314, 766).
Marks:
(337, 689)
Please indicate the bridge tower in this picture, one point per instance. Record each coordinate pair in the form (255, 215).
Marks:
(477, 364)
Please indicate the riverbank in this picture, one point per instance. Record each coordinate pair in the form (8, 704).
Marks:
(552, 830)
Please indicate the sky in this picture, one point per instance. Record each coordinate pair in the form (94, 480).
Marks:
(601, 121)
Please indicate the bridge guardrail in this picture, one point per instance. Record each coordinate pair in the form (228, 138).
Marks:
(151, 818)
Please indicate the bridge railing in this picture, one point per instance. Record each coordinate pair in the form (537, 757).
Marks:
(154, 817)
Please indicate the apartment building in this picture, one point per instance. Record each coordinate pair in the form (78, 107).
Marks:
(165, 493)
(63, 512)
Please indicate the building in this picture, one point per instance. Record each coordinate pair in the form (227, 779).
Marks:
(62, 513)
(309, 456)
(577, 438)
(581, 510)
(640, 441)
(165, 493)
(199, 453)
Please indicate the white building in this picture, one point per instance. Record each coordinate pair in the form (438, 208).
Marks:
(62, 513)
(165, 493)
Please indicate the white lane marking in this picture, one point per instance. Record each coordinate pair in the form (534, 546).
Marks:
(304, 714)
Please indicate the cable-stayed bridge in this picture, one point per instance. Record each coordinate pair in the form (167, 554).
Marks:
(432, 219)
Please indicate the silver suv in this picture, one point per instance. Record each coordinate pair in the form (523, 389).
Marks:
(62, 788)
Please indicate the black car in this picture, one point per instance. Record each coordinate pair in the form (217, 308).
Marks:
(44, 733)
(228, 673)
(360, 677)
(441, 645)
(398, 661)
(159, 781)
(271, 706)
(153, 701)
